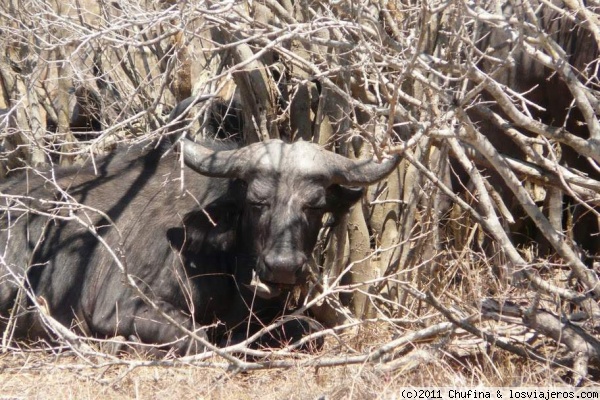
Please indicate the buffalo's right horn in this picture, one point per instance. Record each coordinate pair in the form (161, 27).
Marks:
(360, 172)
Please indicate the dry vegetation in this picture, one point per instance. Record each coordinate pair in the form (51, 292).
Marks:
(476, 263)
(36, 374)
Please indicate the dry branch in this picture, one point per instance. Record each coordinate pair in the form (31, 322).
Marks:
(440, 83)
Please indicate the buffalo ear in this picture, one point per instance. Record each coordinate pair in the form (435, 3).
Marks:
(176, 237)
(207, 231)
(340, 199)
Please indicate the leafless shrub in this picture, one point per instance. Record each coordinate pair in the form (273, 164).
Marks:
(487, 236)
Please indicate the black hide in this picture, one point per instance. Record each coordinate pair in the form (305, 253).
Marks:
(192, 252)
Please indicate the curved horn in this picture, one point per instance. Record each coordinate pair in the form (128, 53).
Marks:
(360, 172)
(199, 158)
(215, 163)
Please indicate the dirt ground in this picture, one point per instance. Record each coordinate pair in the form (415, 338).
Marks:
(36, 376)
(41, 374)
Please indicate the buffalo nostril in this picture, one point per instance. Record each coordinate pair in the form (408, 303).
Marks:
(282, 268)
(288, 263)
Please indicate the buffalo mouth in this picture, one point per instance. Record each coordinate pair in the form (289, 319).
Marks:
(267, 290)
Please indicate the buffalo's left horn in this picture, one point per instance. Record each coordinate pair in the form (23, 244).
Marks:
(360, 172)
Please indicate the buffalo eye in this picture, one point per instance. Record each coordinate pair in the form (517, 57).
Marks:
(258, 205)
(316, 207)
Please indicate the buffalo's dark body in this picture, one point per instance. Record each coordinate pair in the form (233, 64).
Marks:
(223, 252)
(79, 279)
(554, 106)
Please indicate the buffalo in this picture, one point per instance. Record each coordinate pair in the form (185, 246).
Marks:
(555, 106)
(217, 246)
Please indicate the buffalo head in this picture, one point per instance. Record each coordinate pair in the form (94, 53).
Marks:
(287, 190)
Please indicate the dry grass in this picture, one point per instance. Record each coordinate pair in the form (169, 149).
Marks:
(44, 376)
(452, 358)
(37, 374)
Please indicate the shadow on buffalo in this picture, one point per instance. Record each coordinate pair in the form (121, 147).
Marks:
(217, 246)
